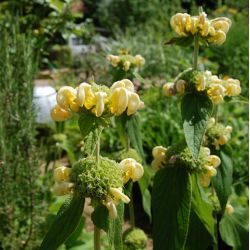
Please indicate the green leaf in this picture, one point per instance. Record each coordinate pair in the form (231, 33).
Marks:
(196, 109)
(202, 208)
(181, 41)
(57, 5)
(100, 217)
(115, 229)
(198, 236)
(234, 228)
(134, 133)
(64, 224)
(171, 203)
(222, 182)
(86, 123)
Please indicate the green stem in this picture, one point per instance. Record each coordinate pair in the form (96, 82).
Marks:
(196, 52)
(97, 151)
(97, 238)
(131, 209)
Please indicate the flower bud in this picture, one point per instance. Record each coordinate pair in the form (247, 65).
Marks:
(180, 86)
(99, 103)
(126, 65)
(223, 140)
(63, 188)
(159, 151)
(229, 209)
(58, 114)
(200, 82)
(205, 180)
(119, 195)
(83, 87)
(139, 60)
(168, 89)
(229, 129)
(62, 174)
(111, 208)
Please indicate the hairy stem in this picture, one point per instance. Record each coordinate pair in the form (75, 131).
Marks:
(97, 238)
(196, 52)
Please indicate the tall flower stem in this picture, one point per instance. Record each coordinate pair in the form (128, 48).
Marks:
(196, 52)
(97, 232)
(131, 203)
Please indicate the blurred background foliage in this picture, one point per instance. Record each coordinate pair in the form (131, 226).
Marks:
(105, 27)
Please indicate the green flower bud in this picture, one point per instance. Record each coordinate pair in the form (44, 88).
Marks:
(95, 181)
(134, 239)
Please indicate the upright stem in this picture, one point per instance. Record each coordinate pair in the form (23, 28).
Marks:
(131, 209)
(196, 52)
(97, 238)
(97, 232)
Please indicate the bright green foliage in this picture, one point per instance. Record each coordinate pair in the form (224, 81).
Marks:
(100, 217)
(95, 181)
(20, 207)
(131, 153)
(234, 228)
(134, 239)
(172, 194)
(65, 223)
(196, 109)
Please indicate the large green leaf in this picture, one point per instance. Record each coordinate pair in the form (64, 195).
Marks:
(196, 109)
(171, 203)
(222, 182)
(202, 215)
(100, 217)
(64, 224)
(115, 229)
(198, 237)
(87, 123)
(234, 229)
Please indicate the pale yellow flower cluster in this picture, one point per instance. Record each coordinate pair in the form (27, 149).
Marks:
(63, 185)
(126, 62)
(119, 98)
(159, 155)
(123, 97)
(209, 169)
(213, 31)
(131, 170)
(212, 132)
(216, 88)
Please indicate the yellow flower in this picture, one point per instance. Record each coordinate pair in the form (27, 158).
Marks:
(214, 160)
(131, 169)
(168, 89)
(229, 129)
(211, 171)
(66, 98)
(200, 82)
(125, 83)
(126, 65)
(180, 86)
(58, 114)
(133, 103)
(110, 205)
(118, 101)
(218, 38)
(193, 25)
(62, 174)
(221, 23)
(216, 93)
(205, 180)
(223, 140)
(159, 154)
(232, 87)
(99, 103)
(63, 188)
(139, 60)
(81, 93)
(229, 209)
(206, 150)
(118, 195)
(178, 22)
(114, 60)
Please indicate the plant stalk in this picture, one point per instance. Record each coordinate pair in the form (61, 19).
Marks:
(97, 238)
(131, 210)
(196, 52)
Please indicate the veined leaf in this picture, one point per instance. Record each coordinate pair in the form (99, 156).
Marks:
(234, 228)
(222, 182)
(64, 224)
(57, 5)
(196, 109)
(115, 229)
(202, 208)
(100, 217)
(172, 194)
